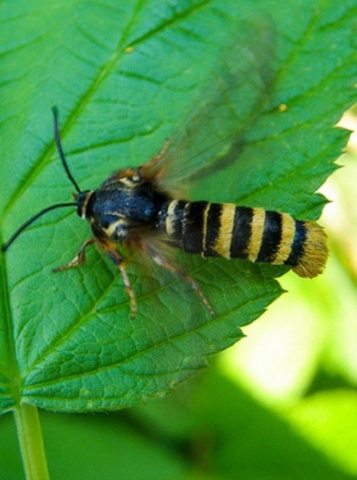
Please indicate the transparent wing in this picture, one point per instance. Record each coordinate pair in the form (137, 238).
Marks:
(227, 103)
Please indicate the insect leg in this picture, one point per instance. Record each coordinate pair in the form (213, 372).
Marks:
(162, 262)
(79, 259)
(110, 250)
(129, 290)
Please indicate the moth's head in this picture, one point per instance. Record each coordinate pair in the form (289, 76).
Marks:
(82, 202)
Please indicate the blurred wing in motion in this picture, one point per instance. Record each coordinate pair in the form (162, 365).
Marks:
(225, 105)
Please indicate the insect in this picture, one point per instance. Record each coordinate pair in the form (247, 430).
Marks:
(141, 208)
(131, 207)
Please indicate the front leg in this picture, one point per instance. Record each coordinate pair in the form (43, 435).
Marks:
(79, 259)
(109, 248)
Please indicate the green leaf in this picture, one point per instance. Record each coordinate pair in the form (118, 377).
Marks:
(123, 76)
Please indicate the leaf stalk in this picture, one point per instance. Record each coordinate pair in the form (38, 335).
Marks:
(31, 442)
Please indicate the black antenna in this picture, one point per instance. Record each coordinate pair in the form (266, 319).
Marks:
(57, 205)
(31, 220)
(60, 149)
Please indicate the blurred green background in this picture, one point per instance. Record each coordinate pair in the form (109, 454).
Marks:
(282, 403)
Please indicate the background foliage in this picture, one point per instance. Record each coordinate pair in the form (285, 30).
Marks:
(75, 348)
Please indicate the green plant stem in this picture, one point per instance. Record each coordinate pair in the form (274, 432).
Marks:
(31, 442)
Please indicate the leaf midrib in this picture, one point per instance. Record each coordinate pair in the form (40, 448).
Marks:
(14, 371)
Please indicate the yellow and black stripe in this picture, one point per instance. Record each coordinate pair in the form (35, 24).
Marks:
(222, 229)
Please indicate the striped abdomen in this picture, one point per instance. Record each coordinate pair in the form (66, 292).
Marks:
(223, 229)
